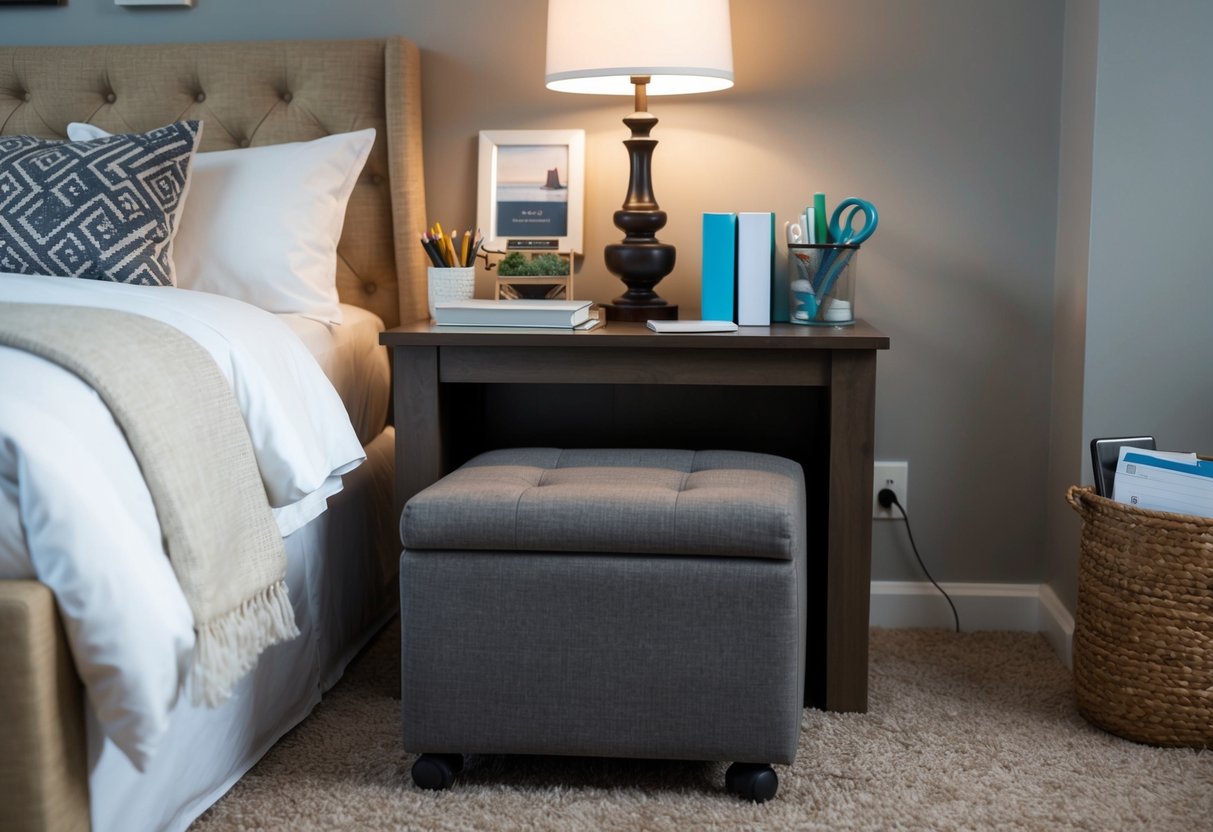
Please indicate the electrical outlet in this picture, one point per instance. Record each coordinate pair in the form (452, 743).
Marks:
(894, 475)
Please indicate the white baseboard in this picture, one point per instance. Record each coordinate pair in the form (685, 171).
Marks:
(1057, 624)
(1024, 607)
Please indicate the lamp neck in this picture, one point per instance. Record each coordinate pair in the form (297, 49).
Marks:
(642, 97)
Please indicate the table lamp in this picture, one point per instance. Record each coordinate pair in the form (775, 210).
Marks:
(640, 48)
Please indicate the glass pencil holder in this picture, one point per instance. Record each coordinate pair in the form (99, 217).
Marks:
(450, 284)
(821, 284)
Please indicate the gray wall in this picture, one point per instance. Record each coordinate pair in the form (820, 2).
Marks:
(945, 113)
(1150, 303)
(1066, 449)
(1133, 340)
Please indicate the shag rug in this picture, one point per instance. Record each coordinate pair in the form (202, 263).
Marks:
(969, 731)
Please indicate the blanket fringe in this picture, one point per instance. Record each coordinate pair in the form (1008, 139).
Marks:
(228, 646)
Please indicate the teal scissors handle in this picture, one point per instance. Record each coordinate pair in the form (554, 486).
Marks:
(844, 234)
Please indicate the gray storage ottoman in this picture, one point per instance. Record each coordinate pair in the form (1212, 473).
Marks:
(622, 603)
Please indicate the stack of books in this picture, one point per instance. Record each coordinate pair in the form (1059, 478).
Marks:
(739, 279)
(571, 315)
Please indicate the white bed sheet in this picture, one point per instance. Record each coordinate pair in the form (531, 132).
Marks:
(343, 587)
(355, 362)
(72, 499)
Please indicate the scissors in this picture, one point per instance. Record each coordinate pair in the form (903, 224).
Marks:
(845, 235)
(848, 235)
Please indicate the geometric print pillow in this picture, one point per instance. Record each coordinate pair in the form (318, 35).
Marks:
(105, 209)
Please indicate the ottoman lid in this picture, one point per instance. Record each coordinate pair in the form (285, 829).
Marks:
(667, 502)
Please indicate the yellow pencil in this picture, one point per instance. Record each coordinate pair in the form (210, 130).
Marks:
(463, 252)
(443, 243)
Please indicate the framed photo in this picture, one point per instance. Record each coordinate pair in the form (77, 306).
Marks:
(532, 190)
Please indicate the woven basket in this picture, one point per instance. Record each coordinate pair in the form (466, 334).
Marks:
(1143, 635)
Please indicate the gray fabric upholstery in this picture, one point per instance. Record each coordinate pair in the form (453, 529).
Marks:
(601, 655)
(726, 503)
(614, 650)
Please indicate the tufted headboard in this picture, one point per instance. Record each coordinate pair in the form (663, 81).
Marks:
(259, 93)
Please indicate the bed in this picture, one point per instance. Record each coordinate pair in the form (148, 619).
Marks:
(59, 770)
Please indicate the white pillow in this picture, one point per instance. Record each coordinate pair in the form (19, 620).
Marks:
(262, 223)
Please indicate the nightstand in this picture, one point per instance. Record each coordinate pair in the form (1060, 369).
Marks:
(806, 393)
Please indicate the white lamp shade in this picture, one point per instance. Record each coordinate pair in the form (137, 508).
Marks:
(596, 46)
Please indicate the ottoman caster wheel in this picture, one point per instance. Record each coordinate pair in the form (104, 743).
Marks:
(756, 782)
(436, 771)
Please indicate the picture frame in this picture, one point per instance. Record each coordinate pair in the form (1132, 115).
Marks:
(531, 194)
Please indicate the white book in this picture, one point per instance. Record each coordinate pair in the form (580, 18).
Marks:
(556, 314)
(481, 329)
(692, 326)
(755, 261)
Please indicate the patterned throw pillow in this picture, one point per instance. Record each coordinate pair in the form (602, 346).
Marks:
(105, 209)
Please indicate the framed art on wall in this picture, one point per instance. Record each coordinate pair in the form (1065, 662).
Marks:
(531, 189)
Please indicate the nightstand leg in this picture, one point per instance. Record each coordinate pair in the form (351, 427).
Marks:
(849, 576)
(419, 439)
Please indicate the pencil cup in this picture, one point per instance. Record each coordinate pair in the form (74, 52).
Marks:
(453, 284)
(821, 284)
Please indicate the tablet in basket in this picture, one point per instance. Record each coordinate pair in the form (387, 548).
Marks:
(1104, 455)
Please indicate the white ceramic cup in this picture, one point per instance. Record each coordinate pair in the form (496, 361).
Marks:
(451, 284)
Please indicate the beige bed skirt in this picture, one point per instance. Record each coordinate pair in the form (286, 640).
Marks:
(44, 767)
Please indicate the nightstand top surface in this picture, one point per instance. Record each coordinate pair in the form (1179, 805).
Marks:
(857, 336)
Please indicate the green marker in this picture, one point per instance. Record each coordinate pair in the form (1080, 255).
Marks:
(822, 225)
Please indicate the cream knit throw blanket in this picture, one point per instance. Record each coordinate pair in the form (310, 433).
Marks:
(187, 434)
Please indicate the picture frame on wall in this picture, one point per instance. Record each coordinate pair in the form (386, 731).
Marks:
(531, 193)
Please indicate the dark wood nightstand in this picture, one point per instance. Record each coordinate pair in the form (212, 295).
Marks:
(806, 393)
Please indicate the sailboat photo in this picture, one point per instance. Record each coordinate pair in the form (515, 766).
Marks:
(531, 199)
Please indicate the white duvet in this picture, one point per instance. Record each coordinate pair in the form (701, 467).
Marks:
(76, 514)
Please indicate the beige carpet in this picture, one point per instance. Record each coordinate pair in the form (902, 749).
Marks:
(967, 732)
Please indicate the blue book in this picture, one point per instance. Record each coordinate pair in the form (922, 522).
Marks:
(717, 280)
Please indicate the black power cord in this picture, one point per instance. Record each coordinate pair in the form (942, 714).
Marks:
(887, 498)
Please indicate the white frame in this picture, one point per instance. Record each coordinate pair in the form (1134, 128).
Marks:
(491, 142)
